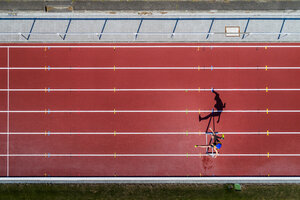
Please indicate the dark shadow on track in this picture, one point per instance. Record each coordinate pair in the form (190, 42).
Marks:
(219, 106)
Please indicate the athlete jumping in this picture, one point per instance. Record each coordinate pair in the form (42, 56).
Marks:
(219, 106)
(215, 143)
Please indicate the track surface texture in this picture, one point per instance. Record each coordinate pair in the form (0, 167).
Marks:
(133, 109)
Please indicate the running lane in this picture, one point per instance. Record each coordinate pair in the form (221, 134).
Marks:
(3, 116)
(54, 155)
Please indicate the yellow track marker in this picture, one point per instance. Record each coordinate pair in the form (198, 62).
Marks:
(200, 174)
(45, 133)
(45, 155)
(115, 133)
(198, 48)
(186, 133)
(266, 48)
(187, 155)
(115, 155)
(267, 89)
(45, 90)
(45, 49)
(268, 155)
(268, 174)
(186, 90)
(198, 68)
(186, 111)
(114, 48)
(114, 90)
(115, 174)
(266, 67)
(199, 111)
(114, 67)
(45, 68)
(267, 111)
(114, 111)
(45, 174)
(45, 111)
(199, 89)
(267, 132)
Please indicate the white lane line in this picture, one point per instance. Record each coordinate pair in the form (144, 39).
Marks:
(152, 90)
(148, 155)
(149, 133)
(150, 68)
(7, 137)
(148, 111)
(156, 46)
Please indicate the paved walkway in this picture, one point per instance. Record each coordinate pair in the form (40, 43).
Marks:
(150, 27)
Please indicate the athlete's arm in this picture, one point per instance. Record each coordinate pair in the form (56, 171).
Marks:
(212, 131)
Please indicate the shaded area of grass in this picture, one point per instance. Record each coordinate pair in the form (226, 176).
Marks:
(147, 191)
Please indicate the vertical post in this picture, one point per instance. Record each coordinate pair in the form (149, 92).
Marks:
(7, 133)
(246, 28)
(31, 29)
(281, 29)
(174, 28)
(67, 29)
(212, 22)
(138, 30)
(214, 127)
(103, 27)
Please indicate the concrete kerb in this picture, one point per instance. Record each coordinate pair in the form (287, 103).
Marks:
(152, 180)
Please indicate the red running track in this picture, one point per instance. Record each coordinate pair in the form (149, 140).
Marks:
(33, 153)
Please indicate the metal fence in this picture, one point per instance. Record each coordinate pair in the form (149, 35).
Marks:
(149, 29)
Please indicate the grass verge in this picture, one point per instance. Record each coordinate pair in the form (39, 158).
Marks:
(147, 191)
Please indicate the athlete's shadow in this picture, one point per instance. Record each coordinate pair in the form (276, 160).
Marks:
(219, 106)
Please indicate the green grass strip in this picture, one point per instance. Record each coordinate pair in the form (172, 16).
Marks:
(147, 191)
